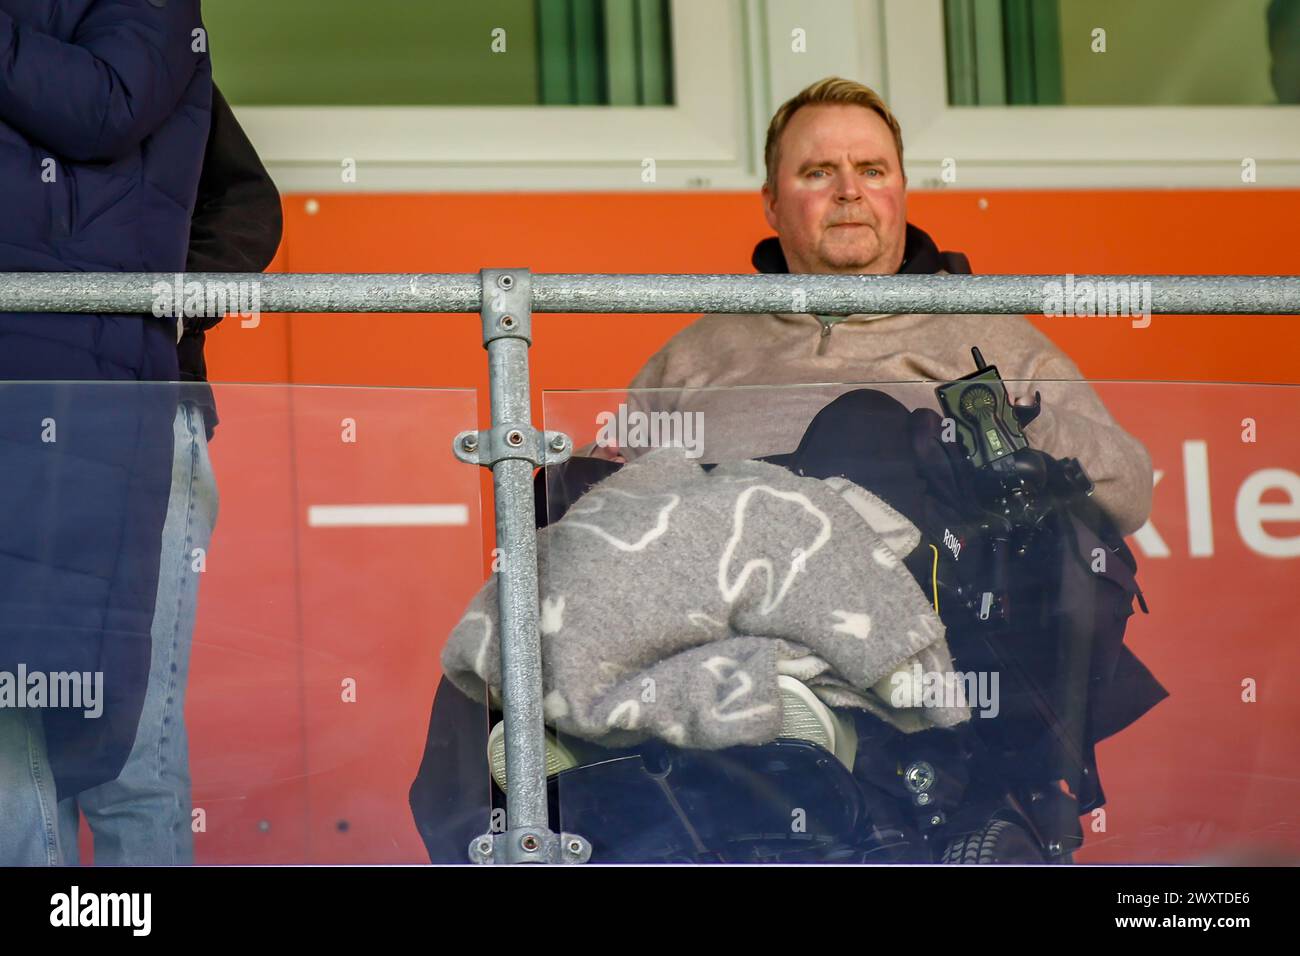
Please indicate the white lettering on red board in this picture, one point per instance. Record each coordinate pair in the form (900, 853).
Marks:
(1251, 511)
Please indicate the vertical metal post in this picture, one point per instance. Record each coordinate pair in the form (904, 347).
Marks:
(512, 448)
(508, 296)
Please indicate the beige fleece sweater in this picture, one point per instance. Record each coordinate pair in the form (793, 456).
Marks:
(791, 366)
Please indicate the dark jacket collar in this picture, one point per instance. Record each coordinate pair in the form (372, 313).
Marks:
(920, 256)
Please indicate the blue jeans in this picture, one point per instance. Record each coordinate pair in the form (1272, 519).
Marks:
(143, 817)
(29, 825)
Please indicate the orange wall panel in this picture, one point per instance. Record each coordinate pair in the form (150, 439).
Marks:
(1177, 232)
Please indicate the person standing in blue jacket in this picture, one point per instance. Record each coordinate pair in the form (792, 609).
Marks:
(144, 817)
(104, 117)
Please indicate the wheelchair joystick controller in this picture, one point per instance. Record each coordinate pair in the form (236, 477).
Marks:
(1012, 489)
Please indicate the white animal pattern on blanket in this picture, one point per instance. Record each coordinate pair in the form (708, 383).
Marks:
(552, 617)
(706, 623)
(626, 715)
(725, 669)
(799, 555)
(594, 503)
(852, 622)
(554, 706)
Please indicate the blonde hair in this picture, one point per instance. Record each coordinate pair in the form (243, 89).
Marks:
(833, 89)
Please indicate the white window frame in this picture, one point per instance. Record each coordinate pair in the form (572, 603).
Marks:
(1039, 147)
(704, 141)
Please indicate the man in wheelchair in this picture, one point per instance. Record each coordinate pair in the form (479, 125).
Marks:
(1017, 548)
(1035, 593)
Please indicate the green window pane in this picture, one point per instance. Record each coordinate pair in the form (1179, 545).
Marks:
(654, 52)
(605, 52)
(1122, 52)
(1170, 53)
(555, 43)
(621, 51)
(383, 52)
(405, 53)
(588, 62)
(976, 66)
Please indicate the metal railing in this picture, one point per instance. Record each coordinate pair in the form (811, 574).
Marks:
(828, 295)
(506, 300)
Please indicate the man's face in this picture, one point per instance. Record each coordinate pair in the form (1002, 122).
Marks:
(840, 204)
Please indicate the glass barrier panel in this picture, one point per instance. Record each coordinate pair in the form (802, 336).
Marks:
(894, 622)
(230, 651)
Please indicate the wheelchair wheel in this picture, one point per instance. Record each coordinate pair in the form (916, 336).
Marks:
(1000, 841)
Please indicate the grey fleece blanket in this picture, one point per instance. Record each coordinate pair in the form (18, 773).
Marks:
(671, 598)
